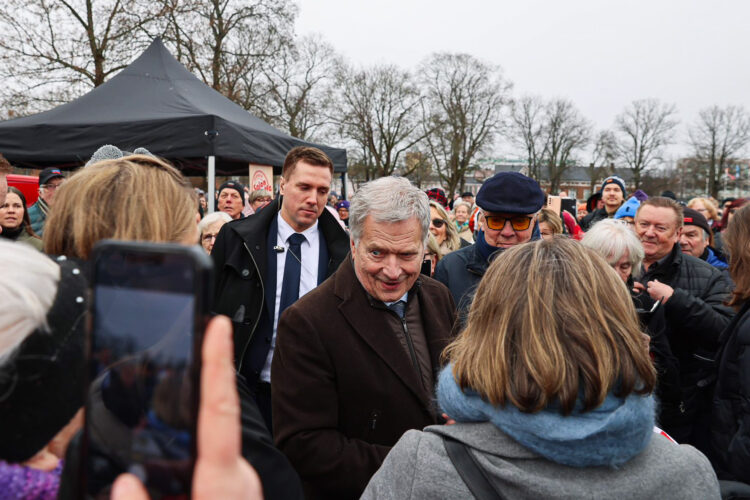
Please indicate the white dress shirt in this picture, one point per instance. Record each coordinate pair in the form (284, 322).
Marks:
(310, 250)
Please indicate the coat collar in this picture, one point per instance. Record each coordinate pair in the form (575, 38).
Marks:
(368, 322)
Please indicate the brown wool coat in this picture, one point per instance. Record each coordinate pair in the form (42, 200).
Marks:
(343, 388)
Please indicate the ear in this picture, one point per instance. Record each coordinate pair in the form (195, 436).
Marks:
(353, 247)
(282, 183)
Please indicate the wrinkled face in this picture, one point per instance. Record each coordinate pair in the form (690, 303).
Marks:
(437, 226)
(11, 212)
(545, 231)
(507, 236)
(612, 196)
(623, 267)
(208, 238)
(657, 229)
(305, 194)
(47, 191)
(261, 202)
(693, 240)
(343, 213)
(462, 213)
(629, 221)
(388, 257)
(230, 202)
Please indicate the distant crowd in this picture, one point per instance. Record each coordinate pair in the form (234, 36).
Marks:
(400, 344)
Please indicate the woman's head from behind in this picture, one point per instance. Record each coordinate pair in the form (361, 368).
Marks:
(139, 198)
(550, 321)
(737, 245)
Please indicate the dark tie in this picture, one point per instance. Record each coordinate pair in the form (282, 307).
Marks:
(398, 308)
(292, 272)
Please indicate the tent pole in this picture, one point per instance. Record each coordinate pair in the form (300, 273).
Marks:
(211, 191)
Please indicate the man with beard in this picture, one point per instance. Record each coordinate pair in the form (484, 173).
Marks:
(613, 195)
(693, 294)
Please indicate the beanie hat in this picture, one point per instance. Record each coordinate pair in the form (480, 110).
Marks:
(691, 217)
(641, 195)
(669, 194)
(110, 152)
(342, 204)
(438, 195)
(613, 179)
(43, 382)
(233, 185)
(628, 209)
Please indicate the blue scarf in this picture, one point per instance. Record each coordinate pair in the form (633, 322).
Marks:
(609, 435)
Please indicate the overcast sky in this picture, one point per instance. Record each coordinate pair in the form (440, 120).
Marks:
(599, 53)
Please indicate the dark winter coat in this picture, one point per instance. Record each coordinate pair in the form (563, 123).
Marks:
(695, 317)
(344, 389)
(730, 423)
(240, 257)
(594, 217)
(461, 271)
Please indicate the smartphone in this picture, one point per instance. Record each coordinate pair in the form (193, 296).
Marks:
(559, 204)
(150, 305)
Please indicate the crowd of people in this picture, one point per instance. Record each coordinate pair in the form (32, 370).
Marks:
(402, 343)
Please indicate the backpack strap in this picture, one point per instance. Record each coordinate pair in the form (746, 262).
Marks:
(470, 471)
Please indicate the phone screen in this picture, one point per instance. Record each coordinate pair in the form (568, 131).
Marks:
(141, 406)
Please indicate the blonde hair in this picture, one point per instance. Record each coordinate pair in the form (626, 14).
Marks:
(713, 212)
(518, 348)
(552, 219)
(138, 197)
(452, 240)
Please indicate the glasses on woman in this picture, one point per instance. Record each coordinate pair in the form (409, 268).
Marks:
(438, 223)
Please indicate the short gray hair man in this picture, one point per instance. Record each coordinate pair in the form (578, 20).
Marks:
(388, 199)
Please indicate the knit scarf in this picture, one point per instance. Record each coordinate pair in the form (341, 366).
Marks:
(485, 249)
(609, 435)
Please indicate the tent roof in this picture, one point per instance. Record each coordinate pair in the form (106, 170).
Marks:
(158, 104)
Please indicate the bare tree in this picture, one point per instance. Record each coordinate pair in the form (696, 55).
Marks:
(603, 157)
(466, 100)
(643, 129)
(300, 88)
(380, 113)
(55, 50)
(719, 136)
(229, 43)
(551, 133)
(566, 131)
(527, 123)
(417, 167)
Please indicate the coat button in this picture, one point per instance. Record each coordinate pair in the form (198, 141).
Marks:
(257, 247)
(245, 273)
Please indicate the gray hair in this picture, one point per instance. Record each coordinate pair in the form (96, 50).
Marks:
(388, 199)
(612, 239)
(460, 203)
(259, 193)
(28, 285)
(211, 218)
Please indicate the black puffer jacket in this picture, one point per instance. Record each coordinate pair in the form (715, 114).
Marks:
(695, 316)
(594, 217)
(730, 423)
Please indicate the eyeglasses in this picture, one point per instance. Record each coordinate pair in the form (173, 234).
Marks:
(517, 222)
(438, 223)
(52, 187)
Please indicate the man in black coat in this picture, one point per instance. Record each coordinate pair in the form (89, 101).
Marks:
(693, 294)
(265, 262)
(613, 196)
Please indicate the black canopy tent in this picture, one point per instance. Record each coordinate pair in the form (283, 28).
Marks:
(155, 103)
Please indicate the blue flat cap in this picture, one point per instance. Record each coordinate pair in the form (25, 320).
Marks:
(510, 193)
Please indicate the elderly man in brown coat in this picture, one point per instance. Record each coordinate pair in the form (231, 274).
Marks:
(356, 358)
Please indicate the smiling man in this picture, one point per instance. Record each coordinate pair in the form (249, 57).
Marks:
(510, 202)
(356, 358)
(613, 196)
(265, 262)
(693, 294)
